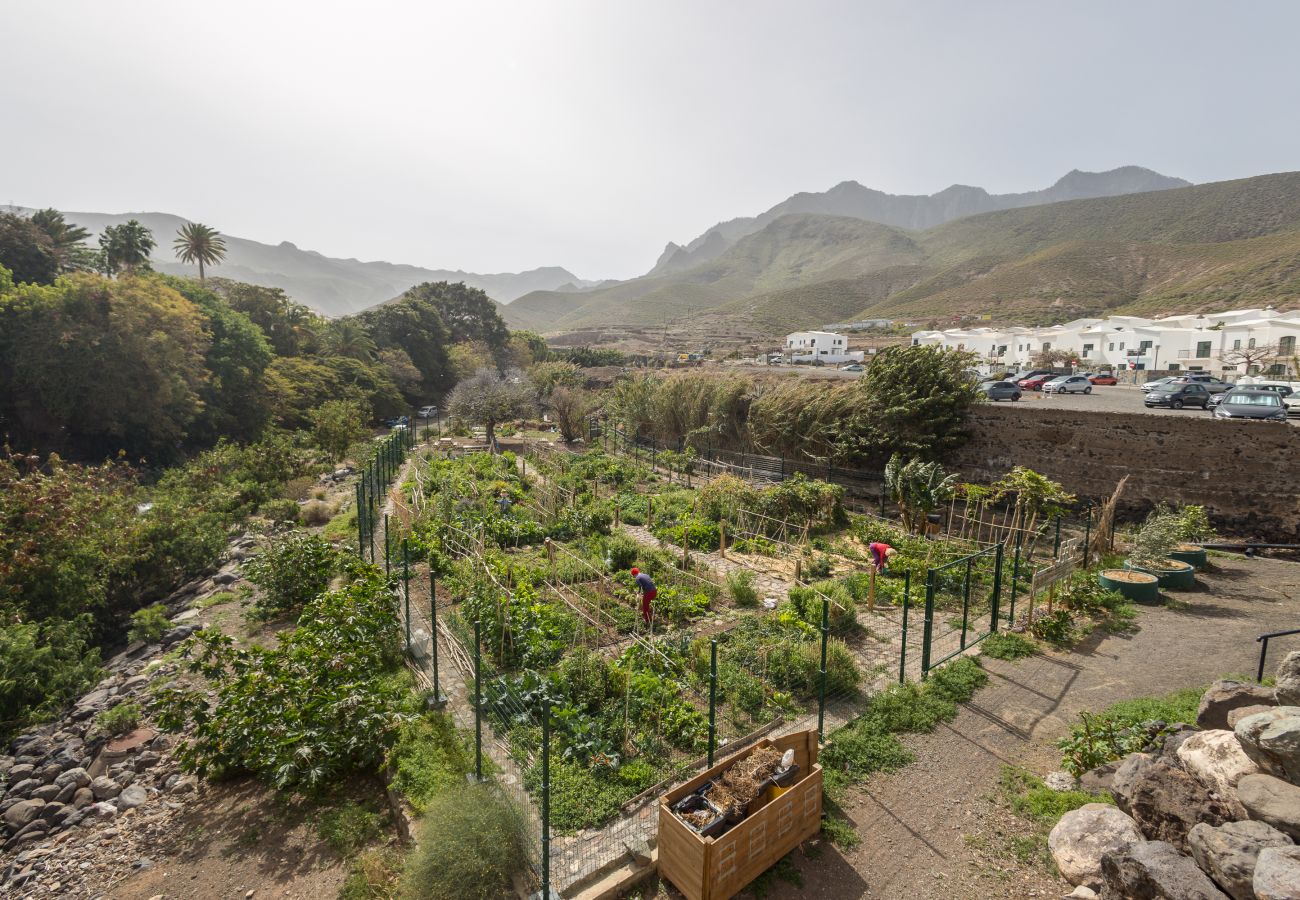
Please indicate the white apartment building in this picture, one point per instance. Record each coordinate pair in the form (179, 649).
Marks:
(1218, 343)
(820, 346)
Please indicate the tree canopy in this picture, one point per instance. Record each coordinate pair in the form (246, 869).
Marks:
(489, 397)
(26, 251)
(126, 247)
(199, 244)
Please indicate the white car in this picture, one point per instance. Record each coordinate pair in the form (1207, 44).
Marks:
(1068, 384)
(428, 412)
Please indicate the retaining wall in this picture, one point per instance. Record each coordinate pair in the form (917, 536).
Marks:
(1246, 474)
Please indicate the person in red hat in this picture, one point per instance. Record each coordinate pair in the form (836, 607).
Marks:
(648, 592)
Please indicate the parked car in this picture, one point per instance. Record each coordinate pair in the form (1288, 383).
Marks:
(1000, 390)
(1212, 384)
(1176, 396)
(1035, 382)
(1282, 390)
(1150, 386)
(397, 422)
(1103, 378)
(1068, 384)
(1248, 403)
(852, 367)
(428, 412)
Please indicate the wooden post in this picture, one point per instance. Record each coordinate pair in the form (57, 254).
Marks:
(649, 511)
(617, 510)
(686, 549)
(722, 539)
(871, 592)
(798, 570)
(550, 557)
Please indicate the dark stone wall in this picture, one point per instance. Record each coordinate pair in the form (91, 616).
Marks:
(1246, 474)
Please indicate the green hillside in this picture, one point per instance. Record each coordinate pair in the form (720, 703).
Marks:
(1234, 243)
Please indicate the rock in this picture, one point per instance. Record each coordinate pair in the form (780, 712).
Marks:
(66, 793)
(186, 616)
(185, 784)
(104, 810)
(1164, 800)
(1277, 874)
(52, 812)
(1227, 853)
(1097, 780)
(105, 788)
(1084, 835)
(178, 634)
(1272, 800)
(1170, 743)
(1216, 760)
(78, 776)
(83, 798)
(19, 771)
(25, 787)
(1238, 714)
(1288, 680)
(1223, 697)
(125, 777)
(1081, 892)
(1155, 870)
(46, 792)
(1060, 781)
(1272, 740)
(22, 813)
(225, 578)
(131, 797)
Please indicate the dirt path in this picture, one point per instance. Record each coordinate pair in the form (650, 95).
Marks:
(933, 830)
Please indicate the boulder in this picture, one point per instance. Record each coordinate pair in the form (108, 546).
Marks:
(78, 776)
(46, 792)
(1170, 743)
(1288, 679)
(1271, 800)
(25, 787)
(1216, 760)
(1060, 781)
(131, 797)
(1277, 874)
(1097, 780)
(1155, 870)
(1238, 714)
(83, 798)
(19, 771)
(1228, 853)
(105, 788)
(104, 810)
(1272, 740)
(1164, 800)
(1223, 697)
(22, 813)
(1084, 835)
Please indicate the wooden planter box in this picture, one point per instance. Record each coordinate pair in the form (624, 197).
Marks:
(718, 868)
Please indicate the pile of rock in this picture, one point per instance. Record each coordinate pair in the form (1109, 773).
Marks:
(1212, 813)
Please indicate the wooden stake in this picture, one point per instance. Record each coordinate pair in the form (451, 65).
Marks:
(722, 539)
(798, 570)
(871, 592)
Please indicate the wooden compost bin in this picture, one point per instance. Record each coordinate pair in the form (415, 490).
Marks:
(718, 868)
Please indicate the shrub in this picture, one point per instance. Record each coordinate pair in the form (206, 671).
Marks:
(587, 680)
(1126, 727)
(472, 846)
(280, 511)
(118, 720)
(429, 756)
(740, 585)
(149, 624)
(317, 513)
(292, 570)
(818, 567)
(621, 552)
(350, 827)
(375, 875)
(1004, 645)
(43, 665)
(1056, 628)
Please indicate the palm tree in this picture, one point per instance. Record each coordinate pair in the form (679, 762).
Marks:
(918, 488)
(126, 247)
(200, 244)
(68, 239)
(348, 337)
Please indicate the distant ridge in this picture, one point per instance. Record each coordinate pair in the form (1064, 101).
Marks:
(915, 212)
(334, 287)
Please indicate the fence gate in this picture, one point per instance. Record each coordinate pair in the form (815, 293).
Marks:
(961, 605)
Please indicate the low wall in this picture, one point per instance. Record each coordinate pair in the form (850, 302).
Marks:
(1246, 474)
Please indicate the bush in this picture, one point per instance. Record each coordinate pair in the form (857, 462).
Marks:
(350, 827)
(292, 570)
(818, 567)
(429, 756)
(740, 585)
(1057, 628)
(621, 552)
(1126, 727)
(1004, 645)
(118, 720)
(317, 513)
(472, 846)
(149, 624)
(43, 665)
(280, 511)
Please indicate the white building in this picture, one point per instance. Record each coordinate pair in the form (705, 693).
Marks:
(820, 346)
(1219, 343)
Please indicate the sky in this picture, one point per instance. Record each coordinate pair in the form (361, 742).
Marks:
(502, 136)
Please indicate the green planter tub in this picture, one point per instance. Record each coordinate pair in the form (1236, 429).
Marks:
(1189, 553)
(1140, 587)
(1179, 578)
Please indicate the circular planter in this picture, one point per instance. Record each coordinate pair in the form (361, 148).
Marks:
(1140, 587)
(1189, 553)
(1175, 575)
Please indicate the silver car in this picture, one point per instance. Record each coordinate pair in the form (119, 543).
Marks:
(1068, 384)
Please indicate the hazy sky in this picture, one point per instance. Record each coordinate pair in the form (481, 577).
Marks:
(495, 136)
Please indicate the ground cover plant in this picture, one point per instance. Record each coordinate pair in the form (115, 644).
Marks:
(1126, 727)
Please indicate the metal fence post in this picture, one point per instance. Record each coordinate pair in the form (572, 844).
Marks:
(1087, 537)
(370, 524)
(546, 799)
(478, 702)
(902, 655)
(821, 700)
(361, 525)
(997, 586)
(406, 589)
(928, 630)
(965, 601)
(713, 697)
(438, 699)
(388, 569)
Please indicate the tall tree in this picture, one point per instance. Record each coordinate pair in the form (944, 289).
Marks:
(126, 247)
(69, 240)
(489, 398)
(349, 337)
(27, 251)
(469, 314)
(201, 244)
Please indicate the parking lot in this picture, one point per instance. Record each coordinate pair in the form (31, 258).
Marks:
(1119, 398)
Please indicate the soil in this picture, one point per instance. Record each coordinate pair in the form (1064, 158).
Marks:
(1131, 577)
(938, 828)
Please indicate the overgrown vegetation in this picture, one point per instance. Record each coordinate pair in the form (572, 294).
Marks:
(1126, 727)
(1041, 807)
(292, 569)
(471, 846)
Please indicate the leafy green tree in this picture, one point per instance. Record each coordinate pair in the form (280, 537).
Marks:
(348, 337)
(397, 363)
(26, 251)
(466, 358)
(69, 240)
(914, 401)
(549, 375)
(468, 313)
(489, 398)
(199, 244)
(413, 324)
(292, 570)
(292, 328)
(919, 488)
(338, 424)
(525, 348)
(127, 247)
(43, 665)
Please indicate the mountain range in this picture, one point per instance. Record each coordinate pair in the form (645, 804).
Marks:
(1042, 259)
(334, 287)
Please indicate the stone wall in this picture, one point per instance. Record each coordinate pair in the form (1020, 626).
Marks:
(1246, 474)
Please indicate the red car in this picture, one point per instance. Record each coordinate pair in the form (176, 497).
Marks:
(1103, 379)
(1035, 383)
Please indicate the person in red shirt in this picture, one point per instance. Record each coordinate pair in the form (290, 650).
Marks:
(880, 554)
(648, 591)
